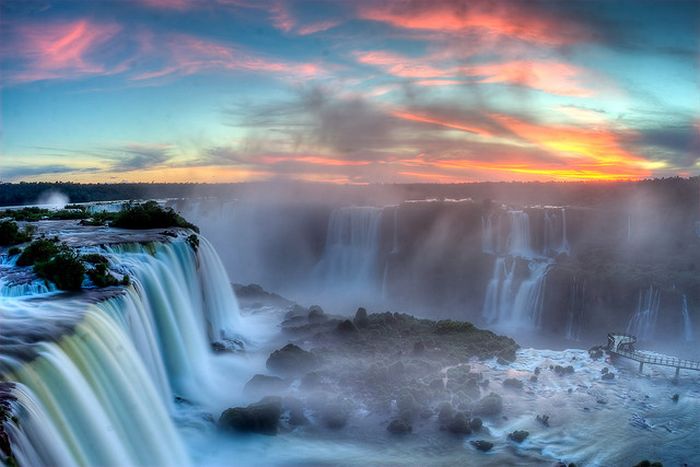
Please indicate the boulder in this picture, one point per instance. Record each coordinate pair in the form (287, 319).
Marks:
(334, 415)
(261, 417)
(488, 405)
(399, 426)
(316, 314)
(512, 383)
(459, 425)
(482, 445)
(291, 360)
(543, 419)
(518, 436)
(608, 376)
(445, 413)
(265, 385)
(346, 328)
(361, 320)
(561, 370)
(476, 424)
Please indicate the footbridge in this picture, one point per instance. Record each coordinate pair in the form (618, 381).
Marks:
(623, 345)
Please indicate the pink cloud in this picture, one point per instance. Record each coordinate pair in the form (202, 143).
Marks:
(403, 67)
(516, 20)
(60, 50)
(313, 28)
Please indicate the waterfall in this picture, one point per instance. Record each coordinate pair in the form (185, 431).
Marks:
(512, 303)
(555, 239)
(687, 324)
(574, 318)
(98, 389)
(487, 235)
(565, 248)
(642, 324)
(519, 237)
(352, 246)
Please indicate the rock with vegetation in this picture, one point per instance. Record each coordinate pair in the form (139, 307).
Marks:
(65, 270)
(149, 215)
(262, 417)
(11, 234)
(518, 436)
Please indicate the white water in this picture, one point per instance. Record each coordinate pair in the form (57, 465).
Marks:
(519, 236)
(643, 322)
(687, 323)
(555, 232)
(352, 245)
(103, 394)
(574, 317)
(487, 235)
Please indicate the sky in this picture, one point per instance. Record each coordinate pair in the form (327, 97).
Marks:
(348, 92)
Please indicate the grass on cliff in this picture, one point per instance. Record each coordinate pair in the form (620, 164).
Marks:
(149, 215)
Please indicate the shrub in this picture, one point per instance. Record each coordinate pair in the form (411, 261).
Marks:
(193, 241)
(149, 215)
(101, 277)
(14, 251)
(64, 269)
(39, 250)
(95, 258)
(10, 233)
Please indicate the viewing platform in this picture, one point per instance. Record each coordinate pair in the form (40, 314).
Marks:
(623, 345)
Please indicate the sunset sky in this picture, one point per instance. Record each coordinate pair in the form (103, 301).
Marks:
(348, 91)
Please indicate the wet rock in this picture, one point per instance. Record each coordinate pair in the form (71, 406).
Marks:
(291, 360)
(608, 376)
(334, 415)
(296, 412)
(407, 405)
(265, 385)
(533, 378)
(316, 314)
(459, 425)
(295, 311)
(646, 463)
(476, 424)
(597, 352)
(562, 371)
(518, 436)
(346, 328)
(361, 320)
(543, 419)
(482, 445)
(445, 413)
(261, 417)
(399, 426)
(538, 370)
(512, 383)
(675, 397)
(489, 405)
(604, 370)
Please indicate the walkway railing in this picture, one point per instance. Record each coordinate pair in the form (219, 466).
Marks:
(623, 345)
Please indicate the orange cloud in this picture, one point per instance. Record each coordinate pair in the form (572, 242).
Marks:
(405, 115)
(60, 50)
(403, 67)
(315, 160)
(516, 20)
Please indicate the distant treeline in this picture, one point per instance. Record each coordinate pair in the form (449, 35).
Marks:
(678, 192)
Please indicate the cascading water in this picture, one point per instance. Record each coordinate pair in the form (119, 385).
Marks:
(577, 294)
(643, 322)
(519, 236)
(102, 394)
(688, 335)
(555, 232)
(487, 235)
(352, 246)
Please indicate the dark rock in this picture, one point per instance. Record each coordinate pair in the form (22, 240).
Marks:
(459, 425)
(346, 328)
(295, 311)
(476, 424)
(543, 419)
(561, 371)
(290, 360)
(296, 412)
(489, 405)
(399, 426)
(316, 314)
(675, 397)
(407, 405)
(596, 352)
(646, 463)
(608, 376)
(533, 378)
(604, 370)
(265, 385)
(502, 361)
(445, 413)
(512, 383)
(361, 320)
(261, 417)
(482, 445)
(538, 370)
(518, 436)
(334, 415)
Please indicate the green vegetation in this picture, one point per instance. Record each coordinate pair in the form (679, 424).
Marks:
(10, 233)
(64, 269)
(14, 251)
(149, 215)
(40, 250)
(101, 277)
(95, 258)
(33, 214)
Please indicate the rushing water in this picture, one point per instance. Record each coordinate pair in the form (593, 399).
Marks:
(643, 322)
(688, 335)
(103, 393)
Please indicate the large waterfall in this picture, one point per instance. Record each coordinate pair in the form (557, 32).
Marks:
(98, 389)
(352, 246)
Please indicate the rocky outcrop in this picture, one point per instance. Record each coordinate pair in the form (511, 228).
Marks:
(261, 417)
(291, 360)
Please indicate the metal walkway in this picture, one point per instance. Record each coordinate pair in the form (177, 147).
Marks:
(623, 345)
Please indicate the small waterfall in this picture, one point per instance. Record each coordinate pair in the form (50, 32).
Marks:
(577, 294)
(642, 324)
(487, 235)
(519, 238)
(395, 238)
(102, 394)
(527, 305)
(492, 300)
(687, 324)
(352, 246)
(555, 232)
(565, 248)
